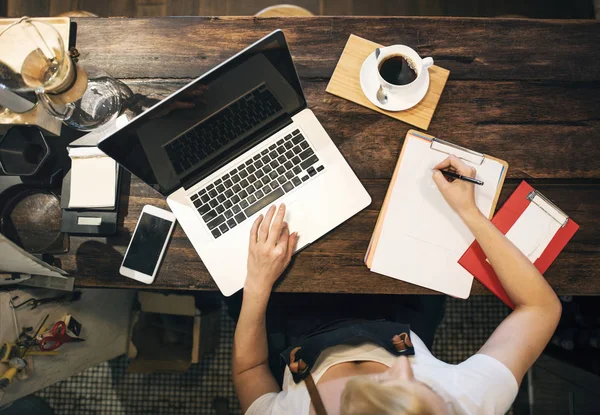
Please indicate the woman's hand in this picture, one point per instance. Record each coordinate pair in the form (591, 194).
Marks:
(459, 194)
(270, 251)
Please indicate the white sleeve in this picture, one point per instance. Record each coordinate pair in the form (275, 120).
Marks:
(263, 405)
(486, 384)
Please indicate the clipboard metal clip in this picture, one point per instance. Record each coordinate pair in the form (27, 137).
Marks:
(446, 147)
(547, 206)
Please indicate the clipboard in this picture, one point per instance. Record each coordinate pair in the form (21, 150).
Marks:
(463, 278)
(525, 197)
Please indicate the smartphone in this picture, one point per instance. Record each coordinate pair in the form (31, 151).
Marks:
(148, 244)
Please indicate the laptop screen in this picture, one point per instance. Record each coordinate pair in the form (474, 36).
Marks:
(208, 122)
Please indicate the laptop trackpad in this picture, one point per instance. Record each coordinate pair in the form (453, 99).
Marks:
(295, 216)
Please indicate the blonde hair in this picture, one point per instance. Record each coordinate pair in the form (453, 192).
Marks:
(363, 395)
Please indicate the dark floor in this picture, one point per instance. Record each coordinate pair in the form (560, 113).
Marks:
(546, 9)
(107, 389)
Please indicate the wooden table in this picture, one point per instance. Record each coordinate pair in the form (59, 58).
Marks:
(526, 91)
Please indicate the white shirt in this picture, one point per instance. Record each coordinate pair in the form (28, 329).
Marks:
(479, 385)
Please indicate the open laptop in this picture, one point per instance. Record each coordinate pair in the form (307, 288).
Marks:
(230, 144)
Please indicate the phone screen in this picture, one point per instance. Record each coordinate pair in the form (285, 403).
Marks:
(147, 244)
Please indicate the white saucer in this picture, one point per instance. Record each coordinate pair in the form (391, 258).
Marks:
(395, 102)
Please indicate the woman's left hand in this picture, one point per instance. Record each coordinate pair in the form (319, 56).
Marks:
(270, 251)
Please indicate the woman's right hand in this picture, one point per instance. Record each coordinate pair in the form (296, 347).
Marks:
(270, 251)
(459, 194)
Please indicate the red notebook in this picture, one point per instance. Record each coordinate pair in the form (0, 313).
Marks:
(474, 259)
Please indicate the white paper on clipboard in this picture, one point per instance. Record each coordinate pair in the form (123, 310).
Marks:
(421, 237)
(534, 230)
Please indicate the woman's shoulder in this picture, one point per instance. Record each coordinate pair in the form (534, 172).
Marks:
(483, 367)
(484, 383)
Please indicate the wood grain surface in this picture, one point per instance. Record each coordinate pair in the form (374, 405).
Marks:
(470, 48)
(526, 91)
(334, 262)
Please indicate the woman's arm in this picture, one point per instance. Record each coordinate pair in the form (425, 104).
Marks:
(270, 252)
(522, 336)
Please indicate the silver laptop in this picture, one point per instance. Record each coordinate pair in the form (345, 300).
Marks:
(230, 144)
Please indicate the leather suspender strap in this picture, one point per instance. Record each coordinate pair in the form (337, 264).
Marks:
(301, 366)
(315, 397)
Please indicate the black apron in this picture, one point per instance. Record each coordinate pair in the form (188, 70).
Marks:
(290, 319)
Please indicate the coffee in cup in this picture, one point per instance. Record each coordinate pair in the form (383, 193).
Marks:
(401, 74)
(398, 69)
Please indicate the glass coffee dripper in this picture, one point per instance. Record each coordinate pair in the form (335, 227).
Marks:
(35, 65)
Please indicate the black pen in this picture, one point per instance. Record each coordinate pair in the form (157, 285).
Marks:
(461, 177)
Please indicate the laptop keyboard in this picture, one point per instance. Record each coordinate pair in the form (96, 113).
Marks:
(213, 134)
(256, 183)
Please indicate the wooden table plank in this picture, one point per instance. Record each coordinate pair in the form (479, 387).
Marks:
(471, 48)
(523, 90)
(334, 262)
(517, 121)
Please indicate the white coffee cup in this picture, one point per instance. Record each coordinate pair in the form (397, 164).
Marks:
(419, 65)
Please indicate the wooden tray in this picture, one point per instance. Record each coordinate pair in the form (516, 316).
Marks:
(345, 83)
